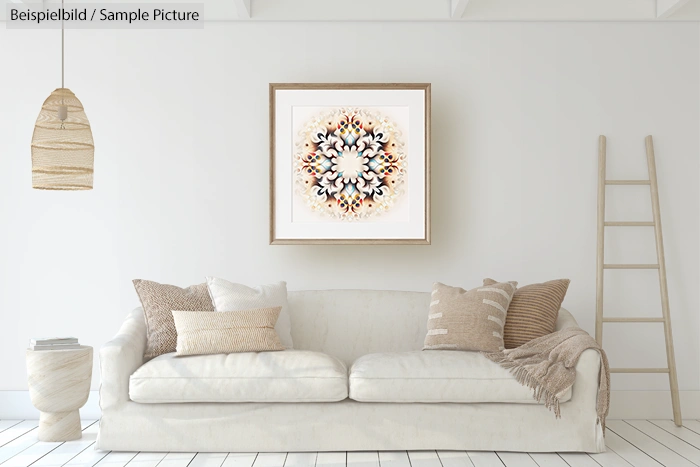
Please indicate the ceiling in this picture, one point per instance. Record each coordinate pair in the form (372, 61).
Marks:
(434, 10)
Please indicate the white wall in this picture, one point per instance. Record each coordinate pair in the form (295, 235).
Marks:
(180, 121)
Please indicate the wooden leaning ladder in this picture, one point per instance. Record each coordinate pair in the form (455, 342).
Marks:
(660, 266)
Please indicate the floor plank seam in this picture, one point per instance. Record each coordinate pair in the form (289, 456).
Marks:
(694, 431)
(24, 433)
(619, 454)
(11, 426)
(663, 444)
(87, 447)
(632, 443)
(637, 448)
(46, 454)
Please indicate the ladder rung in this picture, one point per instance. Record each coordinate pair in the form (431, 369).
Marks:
(627, 182)
(638, 370)
(629, 224)
(630, 266)
(633, 320)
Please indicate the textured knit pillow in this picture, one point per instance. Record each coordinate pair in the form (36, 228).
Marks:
(468, 320)
(228, 296)
(533, 312)
(159, 300)
(201, 333)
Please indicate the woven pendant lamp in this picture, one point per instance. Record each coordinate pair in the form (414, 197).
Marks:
(62, 147)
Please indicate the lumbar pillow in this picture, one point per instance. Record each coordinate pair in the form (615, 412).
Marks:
(158, 301)
(468, 320)
(200, 333)
(533, 312)
(228, 296)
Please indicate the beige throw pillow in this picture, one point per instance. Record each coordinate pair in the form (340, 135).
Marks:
(533, 312)
(200, 333)
(158, 301)
(468, 320)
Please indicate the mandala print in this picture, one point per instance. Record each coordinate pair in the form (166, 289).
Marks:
(350, 164)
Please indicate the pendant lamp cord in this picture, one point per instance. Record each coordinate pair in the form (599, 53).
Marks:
(62, 110)
(62, 48)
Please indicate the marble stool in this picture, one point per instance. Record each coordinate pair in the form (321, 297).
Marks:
(59, 385)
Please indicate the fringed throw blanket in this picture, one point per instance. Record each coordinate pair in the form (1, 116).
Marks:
(548, 366)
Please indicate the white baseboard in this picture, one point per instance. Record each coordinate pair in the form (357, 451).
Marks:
(652, 405)
(623, 404)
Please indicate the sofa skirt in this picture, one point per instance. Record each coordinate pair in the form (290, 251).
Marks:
(347, 426)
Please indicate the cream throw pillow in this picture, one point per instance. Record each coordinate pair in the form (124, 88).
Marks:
(200, 333)
(468, 320)
(229, 296)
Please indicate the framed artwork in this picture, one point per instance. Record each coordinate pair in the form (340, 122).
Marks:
(349, 164)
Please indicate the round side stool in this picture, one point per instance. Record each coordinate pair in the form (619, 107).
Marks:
(59, 385)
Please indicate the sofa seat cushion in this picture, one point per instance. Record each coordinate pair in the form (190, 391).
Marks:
(435, 376)
(285, 376)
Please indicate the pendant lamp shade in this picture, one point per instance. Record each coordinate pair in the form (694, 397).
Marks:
(62, 147)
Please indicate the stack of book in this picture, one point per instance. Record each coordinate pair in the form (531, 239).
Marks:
(54, 343)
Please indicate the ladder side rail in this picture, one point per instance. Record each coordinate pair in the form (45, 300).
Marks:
(601, 241)
(670, 354)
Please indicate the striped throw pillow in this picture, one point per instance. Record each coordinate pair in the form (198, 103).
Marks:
(201, 333)
(468, 320)
(533, 312)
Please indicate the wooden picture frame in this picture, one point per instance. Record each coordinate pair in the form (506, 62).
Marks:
(350, 163)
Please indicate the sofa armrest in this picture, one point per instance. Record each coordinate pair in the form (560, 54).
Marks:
(585, 387)
(587, 368)
(120, 357)
(565, 320)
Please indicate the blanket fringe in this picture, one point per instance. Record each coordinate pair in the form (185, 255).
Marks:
(540, 393)
(546, 364)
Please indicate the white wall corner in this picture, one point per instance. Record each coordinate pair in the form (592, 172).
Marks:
(243, 8)
(457, 8)
(665, 8)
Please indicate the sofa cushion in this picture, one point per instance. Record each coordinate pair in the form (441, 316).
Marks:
(285, 376)
(435, 376)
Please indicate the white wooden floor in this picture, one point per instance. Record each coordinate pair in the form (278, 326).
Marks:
(638, 443)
